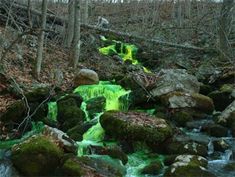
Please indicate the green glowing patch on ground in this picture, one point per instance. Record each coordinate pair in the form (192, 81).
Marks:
(124, 50)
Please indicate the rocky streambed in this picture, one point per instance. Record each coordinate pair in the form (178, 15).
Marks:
(165, 124)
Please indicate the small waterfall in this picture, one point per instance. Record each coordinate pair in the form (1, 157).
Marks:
(210, 147)
(227, 155)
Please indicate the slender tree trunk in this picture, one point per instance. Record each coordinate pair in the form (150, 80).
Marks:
(76, 39)
(224, 27)
(29, 13)
(70, 28)
(41, 38)
(86, 13)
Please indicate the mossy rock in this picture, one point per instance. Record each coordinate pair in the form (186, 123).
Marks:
(38, 156)
(221, 99)
(104, 166)
(15, 113)
(205, 89)
(188, 165)
(135, 126)
(217, 130)
(38, 94)
(196, 101)
(114, 152)
(95, 105)
(154, 168)
(182, 117)
(229, 166)
(72, 167)
(78, 99)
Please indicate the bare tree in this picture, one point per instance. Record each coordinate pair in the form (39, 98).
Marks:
(224, 27)
(41, 38)
(76, 37)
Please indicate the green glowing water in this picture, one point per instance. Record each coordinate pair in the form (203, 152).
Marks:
(126, 51)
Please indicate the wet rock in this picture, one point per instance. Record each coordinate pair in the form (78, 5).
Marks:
(185, 100)
(188, 165)
(171, 80)
(154, 168)
(182, 117)
(229, 166)
(69, 114)
(220, 145)
(78, 99)
(215, 130)
(104, 166)
(72, 167)
(180, 147)
(113, 152)
(227, 117)
(86, 77)
(95, 105)
(222, 98)
(38, 156)
(205, 89)
(169, 159)
(135, 126)
(64, 141)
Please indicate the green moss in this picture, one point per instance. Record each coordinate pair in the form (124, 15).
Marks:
(36, 156)
(154, 168)
(182, 117)
(38, 94)
(72, 168)
(230, 167)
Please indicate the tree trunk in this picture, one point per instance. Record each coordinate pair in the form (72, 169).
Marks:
(86, 12)
(41, 38)
(224, 27)
(70, 28)
(76, 39)
(29, 13)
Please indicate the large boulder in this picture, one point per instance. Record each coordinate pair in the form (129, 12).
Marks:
(86, 77)
(171, 80)
(227, 117)
(135, 126)
(188, 165)
(196, 101)
(38, 156)
(222, 97)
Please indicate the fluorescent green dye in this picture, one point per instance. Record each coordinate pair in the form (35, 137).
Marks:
(126, 51)
(52, 111)
(37, 127)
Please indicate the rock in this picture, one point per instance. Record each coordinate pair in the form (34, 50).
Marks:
(182, 117)
(154, 168)
(61, 138)
(169, 159)
(220, 145)
(188, 165)
(135, 126)
(227, 117)
(15, 113)
(95, 105)
(86, 77)
(184, 147)
(229, 166)
(222, 98)
(72, 166)
(78, 99)
(38, 156)
(69, 114)
(185, 100)
(171, 80)
(104, 166)
(38, 94)
(215, 130)
(205, 89)
(113, 152)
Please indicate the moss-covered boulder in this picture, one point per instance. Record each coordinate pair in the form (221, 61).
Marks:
(38, 94)
(188, 165)
(38, 156)
(15, 113)
(215, 130)
(114, 152)
(182, 117)
(154, 168)
(221, 145)
(72, 167)
(185, 100)
(104, 165)
(229, 167)
(95, 105)
(205, 89)
(69, 113)
(222, 98)
(135, 126)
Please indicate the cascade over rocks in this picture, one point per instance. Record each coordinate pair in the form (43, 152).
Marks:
(135, 126)
(86, 77)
